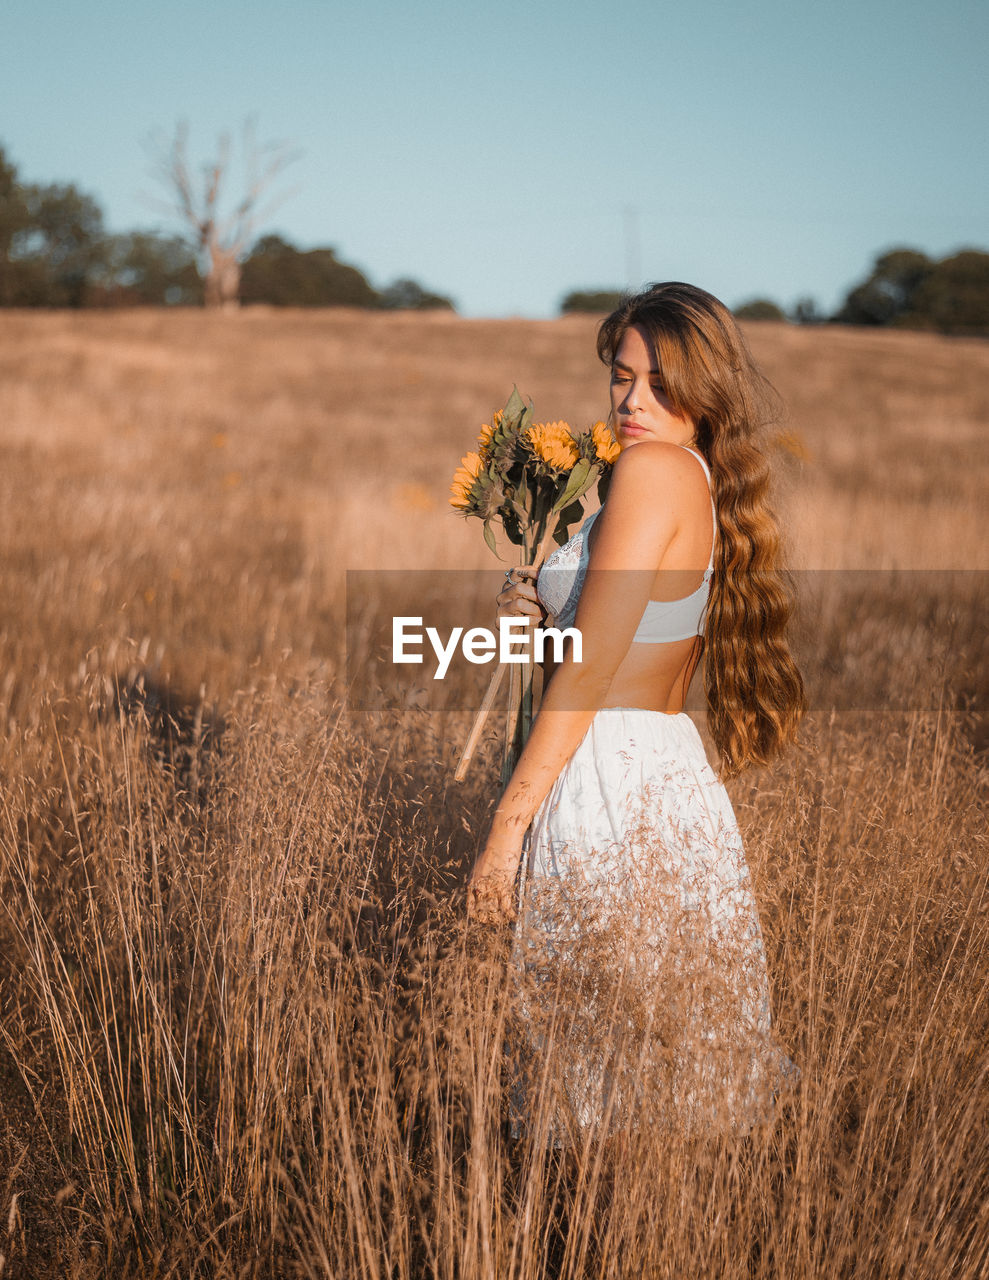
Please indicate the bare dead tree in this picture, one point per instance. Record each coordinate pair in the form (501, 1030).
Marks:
(220, 240)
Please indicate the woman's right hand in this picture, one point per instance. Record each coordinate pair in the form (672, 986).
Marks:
(518, 597)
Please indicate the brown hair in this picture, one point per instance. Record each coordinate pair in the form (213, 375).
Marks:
(755, 695)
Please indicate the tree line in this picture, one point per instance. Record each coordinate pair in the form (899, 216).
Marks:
(55, 251)
(905, 290)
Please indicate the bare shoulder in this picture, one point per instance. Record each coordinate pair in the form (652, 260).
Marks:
(657, 466)
(656, 488)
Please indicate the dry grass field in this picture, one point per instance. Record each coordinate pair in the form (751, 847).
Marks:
(243, 1030)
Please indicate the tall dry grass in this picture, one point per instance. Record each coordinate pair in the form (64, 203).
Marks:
(244, 1029)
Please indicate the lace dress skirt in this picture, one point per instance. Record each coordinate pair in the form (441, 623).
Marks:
(643, 995)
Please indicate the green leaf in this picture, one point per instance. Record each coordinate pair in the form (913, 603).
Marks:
(514, 408)
(489, 537)
(580, 479)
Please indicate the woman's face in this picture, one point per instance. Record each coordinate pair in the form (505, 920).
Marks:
(640, 406)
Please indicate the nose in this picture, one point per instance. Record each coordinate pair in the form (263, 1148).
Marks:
(631, 399)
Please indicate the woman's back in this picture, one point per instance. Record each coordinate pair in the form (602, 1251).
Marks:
(662, 657)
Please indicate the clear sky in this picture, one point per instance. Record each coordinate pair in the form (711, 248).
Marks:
(507, 152)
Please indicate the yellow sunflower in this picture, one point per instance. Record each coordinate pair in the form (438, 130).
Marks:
(463, 480)
(487, 431)
(553, 442)
(605, 443)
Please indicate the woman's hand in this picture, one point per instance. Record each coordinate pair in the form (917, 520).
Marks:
(518, 597)
(490, 891)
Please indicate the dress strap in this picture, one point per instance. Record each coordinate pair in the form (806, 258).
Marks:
(700, 459)
(714, 512)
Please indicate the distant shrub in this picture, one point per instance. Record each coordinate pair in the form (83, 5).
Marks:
(760, 309)
(407, 295)
(591, 300)
(278, 273)
(806, 311)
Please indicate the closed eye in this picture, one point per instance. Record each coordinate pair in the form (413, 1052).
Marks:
(619, 373)
(620, 379)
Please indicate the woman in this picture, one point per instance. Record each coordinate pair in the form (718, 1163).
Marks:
(634, 863)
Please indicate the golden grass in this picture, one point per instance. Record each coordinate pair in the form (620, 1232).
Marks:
(244, 1030)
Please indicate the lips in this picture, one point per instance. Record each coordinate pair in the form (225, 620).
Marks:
(629, 428)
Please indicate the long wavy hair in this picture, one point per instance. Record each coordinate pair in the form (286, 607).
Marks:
(755, 694)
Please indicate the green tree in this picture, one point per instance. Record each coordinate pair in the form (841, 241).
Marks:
(151, 270)
(13, 220)
(760, 309)
(953, 296)
(595, 300)
(60, 248)
(278, 273)
(908, 290)
(889, 291)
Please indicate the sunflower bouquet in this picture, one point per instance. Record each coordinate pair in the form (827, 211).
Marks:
(530, 477)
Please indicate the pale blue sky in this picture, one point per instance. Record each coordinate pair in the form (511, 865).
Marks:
(492, 150)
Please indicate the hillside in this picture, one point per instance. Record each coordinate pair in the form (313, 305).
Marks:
(203, 481)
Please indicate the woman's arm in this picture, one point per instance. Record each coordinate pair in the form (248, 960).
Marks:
(635, 528)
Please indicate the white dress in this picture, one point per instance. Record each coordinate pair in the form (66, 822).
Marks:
(643, 995)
